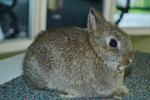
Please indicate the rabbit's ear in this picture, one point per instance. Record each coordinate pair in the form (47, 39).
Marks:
(95, 19)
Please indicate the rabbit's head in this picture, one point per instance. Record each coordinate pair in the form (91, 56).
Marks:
(111, 44)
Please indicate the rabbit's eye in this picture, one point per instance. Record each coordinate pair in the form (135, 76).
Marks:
(113, 43)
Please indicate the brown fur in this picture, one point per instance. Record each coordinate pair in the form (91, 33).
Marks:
(79, 62)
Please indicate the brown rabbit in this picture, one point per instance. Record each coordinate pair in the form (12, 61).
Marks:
(80, 62)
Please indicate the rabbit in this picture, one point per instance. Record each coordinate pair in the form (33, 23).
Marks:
(80, 62)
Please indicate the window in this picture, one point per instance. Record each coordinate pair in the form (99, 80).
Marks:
(70, 12)
(13, 19)
(136, 13)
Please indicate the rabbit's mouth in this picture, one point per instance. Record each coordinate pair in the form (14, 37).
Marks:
(121, 68)
(126, 61)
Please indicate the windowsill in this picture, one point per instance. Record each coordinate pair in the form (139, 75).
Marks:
(12, 45)
(10, 68)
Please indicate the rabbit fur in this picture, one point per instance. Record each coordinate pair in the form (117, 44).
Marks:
(80, 62)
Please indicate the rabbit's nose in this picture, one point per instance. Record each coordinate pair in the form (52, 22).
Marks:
(131, 58)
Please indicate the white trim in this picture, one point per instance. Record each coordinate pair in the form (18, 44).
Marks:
(37, 16)
(137, 31)
(42, 15)
(14, 45)
(108, 10)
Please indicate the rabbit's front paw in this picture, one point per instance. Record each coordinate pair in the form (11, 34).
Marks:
(117, 98)
(68, 94)
(122, 91)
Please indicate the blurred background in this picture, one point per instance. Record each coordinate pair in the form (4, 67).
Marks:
(22, 20)
(13, 19)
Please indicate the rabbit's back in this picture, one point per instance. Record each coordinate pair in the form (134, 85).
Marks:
(60, 49)
(70, 43)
